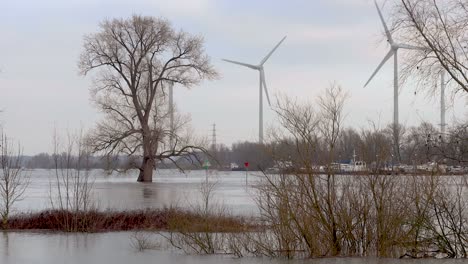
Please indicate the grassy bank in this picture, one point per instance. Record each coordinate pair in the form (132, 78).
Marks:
(106, 221)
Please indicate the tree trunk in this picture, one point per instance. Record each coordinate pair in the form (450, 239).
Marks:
(146, 170)
(147, 165)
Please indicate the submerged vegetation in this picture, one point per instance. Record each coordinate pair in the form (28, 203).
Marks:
(374, 215)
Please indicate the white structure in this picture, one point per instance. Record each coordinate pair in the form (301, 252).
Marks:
(355, 166)
(442, 102)
(392, 52)
(359, 166)
(259, 68)
(171, 113)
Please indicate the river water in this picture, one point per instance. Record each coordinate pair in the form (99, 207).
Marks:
(121, 192)
(115, 248)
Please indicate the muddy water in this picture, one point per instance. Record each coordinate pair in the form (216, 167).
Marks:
(115, 248)
(170, 188)
(121, 192)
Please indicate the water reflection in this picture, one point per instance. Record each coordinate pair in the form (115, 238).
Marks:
(147, 191)
(21, 247)
(5, 245)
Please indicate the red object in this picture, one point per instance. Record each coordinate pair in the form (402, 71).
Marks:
(246, 164)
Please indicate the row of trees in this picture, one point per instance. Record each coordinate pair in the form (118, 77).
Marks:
(47, 161)
(419, 144)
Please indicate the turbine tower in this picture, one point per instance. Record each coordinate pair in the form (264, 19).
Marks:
(442, 102)
(394, 47)
(171, 114)
(263, 85)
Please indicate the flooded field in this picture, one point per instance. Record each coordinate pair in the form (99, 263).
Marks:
(122, 192)
(170, 188)
(22, 248)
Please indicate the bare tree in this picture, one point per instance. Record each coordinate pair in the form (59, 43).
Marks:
(142, 241)
(349, 143)
(138, 58)
(71, 188)
(376, 147)
(451, 147)
(203, 239)
(441, 27)
(13, 181)
(300, 206)
(331, 105)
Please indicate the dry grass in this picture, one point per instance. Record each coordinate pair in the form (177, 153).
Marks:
(96, 221)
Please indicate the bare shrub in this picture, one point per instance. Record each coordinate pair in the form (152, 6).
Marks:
(13, 181)
(311, 211)
(73, 184)
(389, 212)
(375, 215)
(446, 225)
(205, 238)
(301, 208)
(142, 241)
(311, 214)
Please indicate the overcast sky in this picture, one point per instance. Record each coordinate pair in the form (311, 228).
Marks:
(327, 41)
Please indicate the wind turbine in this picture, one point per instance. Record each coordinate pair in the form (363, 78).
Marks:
(263, 85)
(171, 113)
(442, 102)
(394, 47)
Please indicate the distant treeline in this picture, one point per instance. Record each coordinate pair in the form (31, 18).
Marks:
(48, 161)
(419, 145)
(51, 161)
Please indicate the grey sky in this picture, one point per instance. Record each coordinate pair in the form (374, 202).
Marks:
(328, 40)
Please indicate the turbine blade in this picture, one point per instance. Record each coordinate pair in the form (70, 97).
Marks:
(262, 80)
(389, 54)
(387, 32)
(242, 64)
(410, 47)
(273, 50)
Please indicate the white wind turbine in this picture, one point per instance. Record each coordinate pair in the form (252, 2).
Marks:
(263, 85)
(171, 114)
(442, 102)
(394, 47)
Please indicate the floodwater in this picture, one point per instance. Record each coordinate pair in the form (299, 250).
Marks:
(115, 248)
(120, 191)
